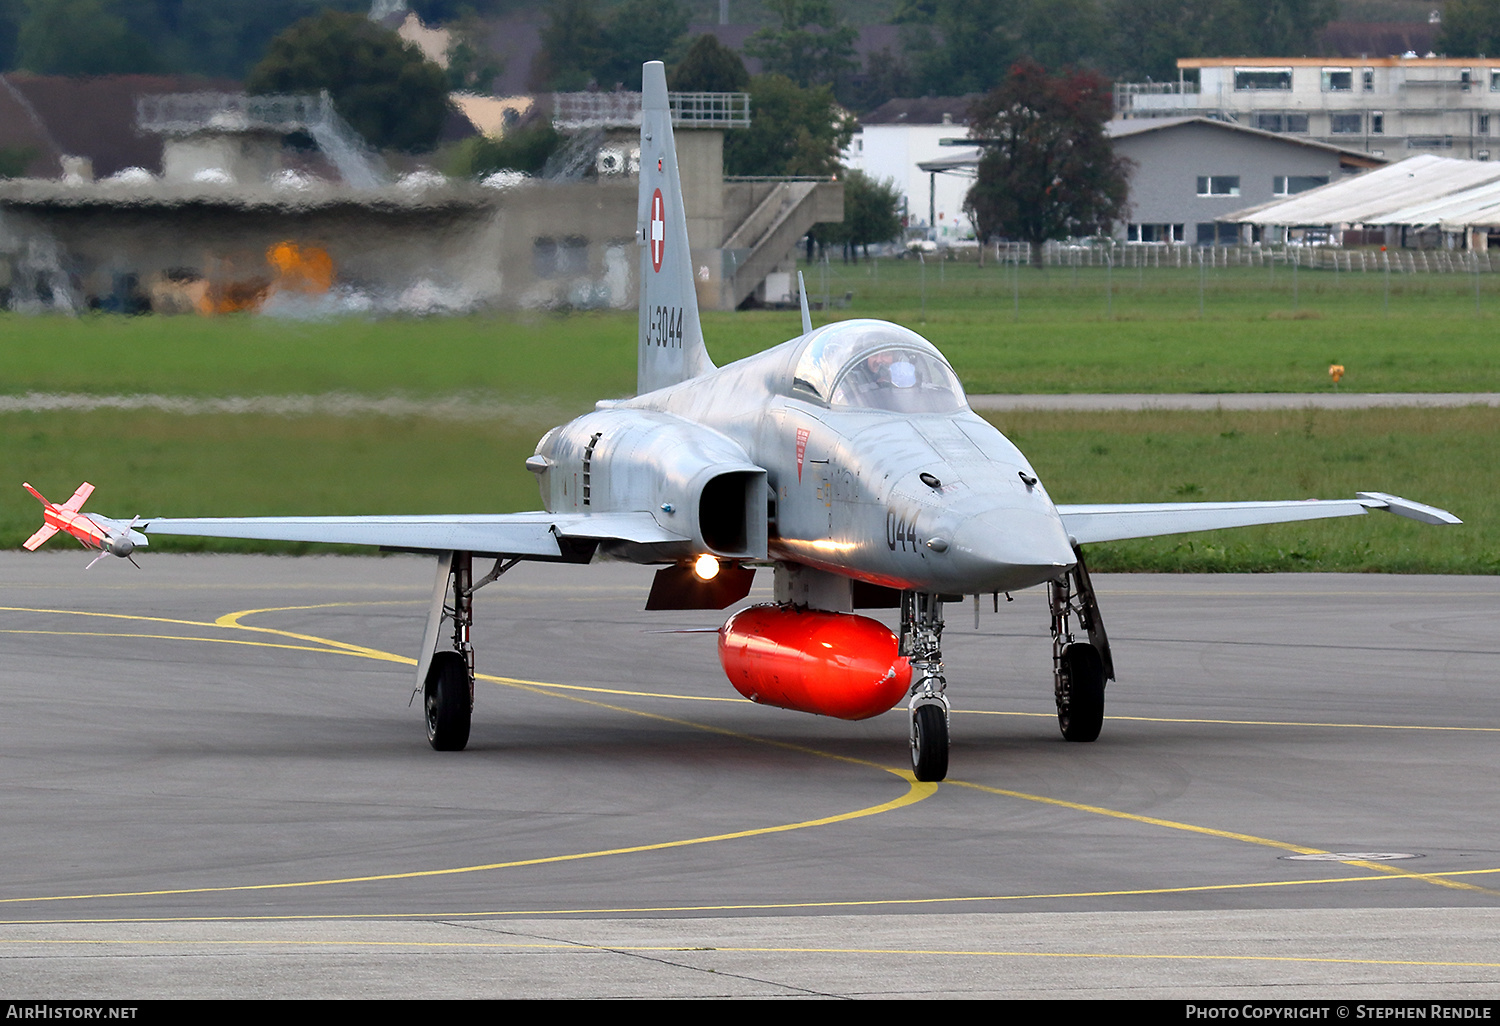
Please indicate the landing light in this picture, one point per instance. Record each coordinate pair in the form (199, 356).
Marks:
(706, 567)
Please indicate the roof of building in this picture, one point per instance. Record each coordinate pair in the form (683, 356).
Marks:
(1354, 39)
(924, 110)
(425, 194)
(1424, 190)
(1394, 60)
(59, 116)
(1124, 128)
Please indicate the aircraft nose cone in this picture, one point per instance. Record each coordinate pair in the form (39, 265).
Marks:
(1010, 549)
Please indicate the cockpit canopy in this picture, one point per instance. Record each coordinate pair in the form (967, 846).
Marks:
(876, 365)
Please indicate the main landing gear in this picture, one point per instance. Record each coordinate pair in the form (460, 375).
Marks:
(446, 679)
(1079, 668)
(921, 635)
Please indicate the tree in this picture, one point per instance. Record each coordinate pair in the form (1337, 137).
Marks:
(387, 91)
(811, 46)
(523, 148)
(1048, 170)
(872, 213)
(793, 131)
(1470, 28)
(1150, 35)
(709, 67)
(957, 46)
(572, 46)
(638, 31)
(80, 37)
(472, 66)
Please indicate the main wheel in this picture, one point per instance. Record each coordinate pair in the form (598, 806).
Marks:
(448, 702)
(929, 742)
(1080, 710)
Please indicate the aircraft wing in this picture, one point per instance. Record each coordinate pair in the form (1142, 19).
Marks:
(1118, 521)
(540, 536)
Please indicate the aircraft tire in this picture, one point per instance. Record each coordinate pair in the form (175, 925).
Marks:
(929, 743)
(1082, 718)
(447, 703)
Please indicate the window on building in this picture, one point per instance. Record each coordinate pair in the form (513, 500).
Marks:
(1296, 123)
(1367, 76)
(1466, 78)
(1269, 122)
(1155, 233)
(544, 257)
(1495, 80)
(1484, 124)
(1483, 155)
(552, 257)
(1338, 80)
(1218, 185)
(573, 255)
(1377, 122)
(1290, 185)
(1346, 124)
(1262, 78)
(1215, 233)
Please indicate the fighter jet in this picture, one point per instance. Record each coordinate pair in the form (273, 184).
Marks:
(846, 459)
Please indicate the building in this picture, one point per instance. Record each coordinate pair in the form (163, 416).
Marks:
(895, 139)
(1386, 106)
(1188, 172)
(216, 219)
(1422, 202)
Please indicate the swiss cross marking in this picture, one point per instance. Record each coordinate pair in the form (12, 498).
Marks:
(658, 230)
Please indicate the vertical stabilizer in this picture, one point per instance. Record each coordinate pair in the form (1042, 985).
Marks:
(670, 341)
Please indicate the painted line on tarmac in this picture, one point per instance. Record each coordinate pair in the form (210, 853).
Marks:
(332, 647)
(779, 906)
(916, 792)
(1097, 810)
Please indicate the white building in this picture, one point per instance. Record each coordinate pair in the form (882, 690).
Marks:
(1387, 106)
(900, 134)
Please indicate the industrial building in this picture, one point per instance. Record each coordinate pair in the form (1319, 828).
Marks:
(1388, 107)
(219, 215)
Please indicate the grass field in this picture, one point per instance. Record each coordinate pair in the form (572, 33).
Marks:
(1255, 335)
(153, 463)
(1250, 339)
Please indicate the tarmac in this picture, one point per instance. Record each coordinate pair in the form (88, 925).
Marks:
(212, 785)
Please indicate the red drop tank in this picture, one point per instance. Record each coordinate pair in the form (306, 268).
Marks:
(833, 664)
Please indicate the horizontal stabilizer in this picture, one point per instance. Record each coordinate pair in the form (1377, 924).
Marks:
(525, 535)
(1119, 521)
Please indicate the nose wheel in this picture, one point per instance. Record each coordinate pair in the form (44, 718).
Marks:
(921, 642)
(929, 741)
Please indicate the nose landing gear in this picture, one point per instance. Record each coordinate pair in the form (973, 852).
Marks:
(921, 634)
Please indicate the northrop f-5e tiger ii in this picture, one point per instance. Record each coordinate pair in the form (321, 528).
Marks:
(846, 459)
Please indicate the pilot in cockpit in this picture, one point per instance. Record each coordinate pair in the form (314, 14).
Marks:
(882, 381)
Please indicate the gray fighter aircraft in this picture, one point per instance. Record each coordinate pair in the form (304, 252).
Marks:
(847, 459)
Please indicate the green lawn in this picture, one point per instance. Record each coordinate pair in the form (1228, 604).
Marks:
(1145, 334)
(155, 464)
(1253, 337)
